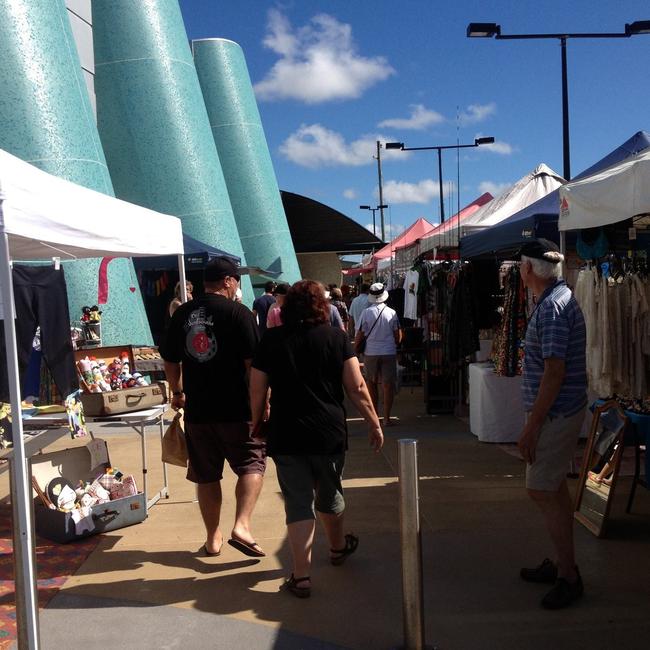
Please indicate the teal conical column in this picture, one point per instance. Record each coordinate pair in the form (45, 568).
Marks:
(244, 154)
(153, 122)
(46, 119)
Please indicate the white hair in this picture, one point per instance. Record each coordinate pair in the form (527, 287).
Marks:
(543, 269)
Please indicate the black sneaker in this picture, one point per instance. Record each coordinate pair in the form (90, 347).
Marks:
(563, 593)
(546, 572)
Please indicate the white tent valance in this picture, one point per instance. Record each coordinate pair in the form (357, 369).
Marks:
(614, 194)
(46, 216)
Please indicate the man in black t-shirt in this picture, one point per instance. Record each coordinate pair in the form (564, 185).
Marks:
(262, 305)
(207, 351)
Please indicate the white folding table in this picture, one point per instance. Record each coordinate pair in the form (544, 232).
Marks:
(138, 421)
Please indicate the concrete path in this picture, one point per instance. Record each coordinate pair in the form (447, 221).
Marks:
(146, 586)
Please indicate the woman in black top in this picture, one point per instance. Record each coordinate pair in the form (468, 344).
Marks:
(308, 364)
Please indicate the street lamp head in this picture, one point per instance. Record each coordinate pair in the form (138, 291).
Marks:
(637, 27)
(382, 207)
(480, 141)
(483, 30)
(364, 207)
(394, 145)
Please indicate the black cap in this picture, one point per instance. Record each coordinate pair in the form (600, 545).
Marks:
(281, 289)
(541, 249)
(219, 268)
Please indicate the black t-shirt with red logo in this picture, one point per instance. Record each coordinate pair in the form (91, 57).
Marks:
(211, 337)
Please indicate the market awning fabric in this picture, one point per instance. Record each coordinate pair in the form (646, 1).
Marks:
(45, 216)
(614, 194)
(412, 233)
(317, 228)
(540, 218)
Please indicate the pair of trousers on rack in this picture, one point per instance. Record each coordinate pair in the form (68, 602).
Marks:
(41, 298)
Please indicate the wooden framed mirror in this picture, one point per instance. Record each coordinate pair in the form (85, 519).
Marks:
(599, 471)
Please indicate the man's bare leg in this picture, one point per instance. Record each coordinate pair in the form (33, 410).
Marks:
(333, 526)
(209, 495)
(557, 509)
(247, 492)
(389, 394)
(372, 389)
(301, 539)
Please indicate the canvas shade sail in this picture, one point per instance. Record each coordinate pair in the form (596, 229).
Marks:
(611, 195)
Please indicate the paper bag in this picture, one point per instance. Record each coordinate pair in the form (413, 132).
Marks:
(174, 448)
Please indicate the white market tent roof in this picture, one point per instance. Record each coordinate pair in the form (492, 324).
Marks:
(526, 190)
(614, 194)
(45, 216)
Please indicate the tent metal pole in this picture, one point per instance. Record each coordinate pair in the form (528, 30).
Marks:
(181, 277)
(563, 251)
(24, 565)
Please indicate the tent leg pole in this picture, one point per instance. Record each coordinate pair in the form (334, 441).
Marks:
(563, 251)
(182, 278)
(24, 566)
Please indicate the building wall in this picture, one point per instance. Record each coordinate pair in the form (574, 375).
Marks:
(82, 29)
(323, 267)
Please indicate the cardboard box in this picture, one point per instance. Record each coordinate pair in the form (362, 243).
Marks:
(74, 464)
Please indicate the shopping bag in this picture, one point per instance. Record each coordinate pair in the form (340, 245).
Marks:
(174, 447)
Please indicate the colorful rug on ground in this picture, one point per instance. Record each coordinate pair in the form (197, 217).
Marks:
(55, 563)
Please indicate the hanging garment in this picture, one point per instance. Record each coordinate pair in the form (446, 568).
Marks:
(411, 295)
(41, 298)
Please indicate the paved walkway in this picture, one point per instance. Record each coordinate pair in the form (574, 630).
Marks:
(146, 586)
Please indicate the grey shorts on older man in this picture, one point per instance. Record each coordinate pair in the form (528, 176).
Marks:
(380, 369)
(556, 445)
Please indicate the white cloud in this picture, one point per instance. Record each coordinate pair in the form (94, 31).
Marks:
(391, 230)
(495, 189)
(313, 145)
(421, 192)
(420, 118)
(318, 62)
(350, 193)
(476, 113)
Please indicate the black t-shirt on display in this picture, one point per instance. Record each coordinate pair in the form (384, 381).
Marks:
(305, 370)
(211, 337)
(261, 307)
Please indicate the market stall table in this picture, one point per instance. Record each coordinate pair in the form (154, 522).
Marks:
(138, 421)
(496, 410)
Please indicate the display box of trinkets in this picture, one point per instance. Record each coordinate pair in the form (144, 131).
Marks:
(78, 493)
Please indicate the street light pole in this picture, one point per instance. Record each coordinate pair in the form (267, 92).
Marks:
(381, 193)
(477, 143)
(373, 210)
(489, 30)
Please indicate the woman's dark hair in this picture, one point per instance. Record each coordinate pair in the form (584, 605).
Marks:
(305, 304)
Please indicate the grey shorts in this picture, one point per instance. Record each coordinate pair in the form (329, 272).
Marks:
(310, 482)
(556, 445)
(380, 369)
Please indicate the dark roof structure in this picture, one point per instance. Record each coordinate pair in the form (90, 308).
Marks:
(317, 228)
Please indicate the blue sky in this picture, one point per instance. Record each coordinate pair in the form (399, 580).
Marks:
(333, 77)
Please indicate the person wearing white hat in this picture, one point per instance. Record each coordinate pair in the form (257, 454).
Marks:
(380, 328)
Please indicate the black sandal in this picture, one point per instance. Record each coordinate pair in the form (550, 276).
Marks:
(291, 584)
(351, 543)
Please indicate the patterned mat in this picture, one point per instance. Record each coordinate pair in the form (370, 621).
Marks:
(55, 564)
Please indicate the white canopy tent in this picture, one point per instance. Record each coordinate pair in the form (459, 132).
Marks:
(528, 189)
(614, 194)
(42, 216)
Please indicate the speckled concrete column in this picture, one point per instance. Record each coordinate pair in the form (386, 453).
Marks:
(46, 119)
(153, 122)
(244, 154)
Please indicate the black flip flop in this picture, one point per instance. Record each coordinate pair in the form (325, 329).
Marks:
(252, 549)
(291, 585)
(351, 543)
(204, 550)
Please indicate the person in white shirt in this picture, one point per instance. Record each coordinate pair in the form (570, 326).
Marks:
(380, 327)
(356, 308)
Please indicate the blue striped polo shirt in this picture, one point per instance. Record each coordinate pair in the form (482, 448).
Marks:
(556, 329)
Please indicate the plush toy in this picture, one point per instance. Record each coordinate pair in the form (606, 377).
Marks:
(139, 379)
(94, 315)
(126, 364)
(85, 314)
(86, 370)
(98, 378)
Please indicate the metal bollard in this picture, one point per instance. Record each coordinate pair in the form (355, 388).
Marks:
(411, 541)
